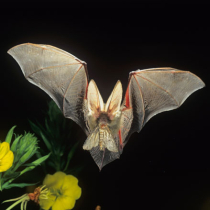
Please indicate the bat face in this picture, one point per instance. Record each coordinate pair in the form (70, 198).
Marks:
(103, 120)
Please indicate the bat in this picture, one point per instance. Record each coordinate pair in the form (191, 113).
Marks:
(109, 125)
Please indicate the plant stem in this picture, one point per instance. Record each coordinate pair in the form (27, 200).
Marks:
(0, 181)
(25, 198)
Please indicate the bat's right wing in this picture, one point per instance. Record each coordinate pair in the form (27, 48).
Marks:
(152, 91)
(61, 75)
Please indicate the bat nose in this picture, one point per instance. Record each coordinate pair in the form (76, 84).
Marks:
(102, 126)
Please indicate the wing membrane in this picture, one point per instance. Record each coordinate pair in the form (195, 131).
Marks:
(92, 140)
(103, 157)
(152, 91)
(61, 75)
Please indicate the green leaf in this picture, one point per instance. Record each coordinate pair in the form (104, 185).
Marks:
(37, 128)
(34, 164)
(9, 135)
(27, 142)
(26, 147)
(53, 111)
(48, 145)
(21, 185)
(70, 155)
(38, 155)
(29, 168)
(47, 126)
(26, 156)
(9, 174)
(15, 142)
(34, 127)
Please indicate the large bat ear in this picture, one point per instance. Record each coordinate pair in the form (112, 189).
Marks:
(95, 101)
(114, 101)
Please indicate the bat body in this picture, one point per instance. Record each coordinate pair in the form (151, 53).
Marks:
(108, 125)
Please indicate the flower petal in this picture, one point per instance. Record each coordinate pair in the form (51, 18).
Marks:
(55, 181)
(74, 192)
(4, 168)
(47, 203)
(7, 161)
(70, 181)
(9, 157)
(63, 203)
(65, 188)
(70, 187)
(4, 148)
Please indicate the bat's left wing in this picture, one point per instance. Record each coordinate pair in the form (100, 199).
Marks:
(60, 74)
(152, 91)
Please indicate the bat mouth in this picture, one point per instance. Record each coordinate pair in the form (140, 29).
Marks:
(103, 126)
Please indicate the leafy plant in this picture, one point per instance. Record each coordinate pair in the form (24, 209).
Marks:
(56, 135)
(23, 148)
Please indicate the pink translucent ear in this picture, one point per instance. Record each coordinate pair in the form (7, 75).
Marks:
(94, 99)
(114, 101)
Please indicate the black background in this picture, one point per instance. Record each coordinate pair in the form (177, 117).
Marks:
(165, 166)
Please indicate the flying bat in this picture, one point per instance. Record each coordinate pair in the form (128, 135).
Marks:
(109, 125)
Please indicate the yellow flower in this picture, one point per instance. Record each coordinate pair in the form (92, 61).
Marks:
(6, 157)
(63, 192)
